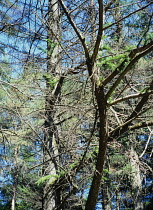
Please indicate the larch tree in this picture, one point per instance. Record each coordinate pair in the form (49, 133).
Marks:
(84, 87)
(107, 87)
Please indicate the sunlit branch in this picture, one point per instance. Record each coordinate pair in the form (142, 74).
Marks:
(137, 95)
(140, 125)
(147, 143)
(141, 103)
(128, 68)
(122, 65)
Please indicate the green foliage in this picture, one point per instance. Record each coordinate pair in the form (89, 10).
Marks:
(107, 24)
(145, 89)
(51, 80)
(105, 178)
(46, 178)
(25, 190)
(110, 59)
(5, 206)
(42, 49)
(23, 97)
(73, 164)
(127, 169)
(149, 36)
(51, 46)
(106, 171)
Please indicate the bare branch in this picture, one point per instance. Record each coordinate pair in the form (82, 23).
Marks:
(141, 125)
(81, 38)
(100, 31)
(137, 95)
(127, 16)
(146, 146)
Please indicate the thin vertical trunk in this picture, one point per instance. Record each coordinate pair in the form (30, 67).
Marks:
(51, 197)
(92, 17)
(15, 184)
(117, 200)
(14, 188)
(102, 111)
(119, 26)
(136, 181)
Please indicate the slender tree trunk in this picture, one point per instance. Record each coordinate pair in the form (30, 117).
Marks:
(119, 26)
(51, 197)
(14, 189)
(117, 200)
(98, 90)
(136, 181)
(15, 184)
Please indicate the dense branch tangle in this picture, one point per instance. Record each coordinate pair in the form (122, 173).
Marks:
(100, 85)
(95, 83)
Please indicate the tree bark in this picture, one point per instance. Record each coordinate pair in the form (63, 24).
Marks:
(15, 184)
(94, 190)
(106, 197)
(136, 180)
(14, 188)
(51, 197)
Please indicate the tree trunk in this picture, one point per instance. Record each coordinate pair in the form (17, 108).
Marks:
(106, 197)
(14, 188)
(136, 181)
(118, 34)
(51, 197)
(94, 190)
(15, 184)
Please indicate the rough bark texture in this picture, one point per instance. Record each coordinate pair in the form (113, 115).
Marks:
(51, 197)
(136, 180)
(106, 196)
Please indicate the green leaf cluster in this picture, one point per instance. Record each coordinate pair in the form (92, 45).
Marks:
(51, 80)
(44, 179)
(109, 58)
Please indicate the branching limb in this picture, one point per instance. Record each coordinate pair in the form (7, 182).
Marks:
(116, 116)
(132, 96)
(147, 143)
(128, 68)
(81, 38)
(100, 31)
(122, 65)
(141, 125)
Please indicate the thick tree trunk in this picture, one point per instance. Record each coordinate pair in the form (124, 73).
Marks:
(94, 190)
(106, 197)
